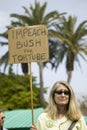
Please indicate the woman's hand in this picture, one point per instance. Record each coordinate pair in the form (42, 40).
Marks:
(33, 127)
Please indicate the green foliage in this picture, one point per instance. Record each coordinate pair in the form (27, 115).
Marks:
(83, 102)
(15, 92)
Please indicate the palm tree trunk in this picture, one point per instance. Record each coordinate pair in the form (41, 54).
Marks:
(69, 76)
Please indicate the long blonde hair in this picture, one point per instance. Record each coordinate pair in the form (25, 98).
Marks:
(73, 111)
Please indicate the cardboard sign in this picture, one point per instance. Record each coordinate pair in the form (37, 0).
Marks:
(28, 44)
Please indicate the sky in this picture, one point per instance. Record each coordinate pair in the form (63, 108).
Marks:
(76, 8)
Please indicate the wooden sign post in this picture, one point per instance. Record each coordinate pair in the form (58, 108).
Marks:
(28, 44)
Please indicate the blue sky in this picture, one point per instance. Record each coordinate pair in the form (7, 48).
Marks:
(76, 8)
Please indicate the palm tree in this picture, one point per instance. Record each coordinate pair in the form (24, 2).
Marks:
(70, 43)
(35, 16)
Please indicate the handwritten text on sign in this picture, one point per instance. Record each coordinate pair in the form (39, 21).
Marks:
(28, 44)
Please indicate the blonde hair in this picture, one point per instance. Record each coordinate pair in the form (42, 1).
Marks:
(73, 111)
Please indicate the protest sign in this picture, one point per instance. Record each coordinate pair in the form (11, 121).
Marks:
(28, 44)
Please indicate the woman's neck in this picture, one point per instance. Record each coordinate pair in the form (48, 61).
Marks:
(61, 111)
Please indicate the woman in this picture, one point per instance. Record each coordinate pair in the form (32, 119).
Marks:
(62, 110)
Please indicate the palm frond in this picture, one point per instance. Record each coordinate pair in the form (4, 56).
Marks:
(4, 59)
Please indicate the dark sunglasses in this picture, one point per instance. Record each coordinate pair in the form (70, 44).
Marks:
(59, 92)
(2, 117)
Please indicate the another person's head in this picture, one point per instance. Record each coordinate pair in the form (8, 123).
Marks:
(2, 117)
(62, 95)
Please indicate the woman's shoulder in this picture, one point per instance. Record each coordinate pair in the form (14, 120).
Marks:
(82, 119)
(81, 123)
(43, 114)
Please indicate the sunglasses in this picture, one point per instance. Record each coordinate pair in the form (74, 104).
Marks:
(59, 92)
(2, 117)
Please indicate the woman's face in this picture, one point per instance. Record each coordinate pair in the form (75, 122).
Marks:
(2, 118)
(61, 95)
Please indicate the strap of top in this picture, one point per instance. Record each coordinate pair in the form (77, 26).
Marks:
(72, 125)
